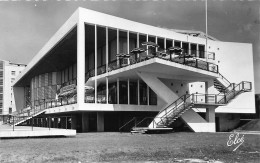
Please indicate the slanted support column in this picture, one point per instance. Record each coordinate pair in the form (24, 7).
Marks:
(80, 63)
(210, 115)
(100, 121)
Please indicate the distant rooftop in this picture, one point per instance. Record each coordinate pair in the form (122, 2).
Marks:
(12, 63)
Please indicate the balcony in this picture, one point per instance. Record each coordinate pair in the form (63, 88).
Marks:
(187, 59)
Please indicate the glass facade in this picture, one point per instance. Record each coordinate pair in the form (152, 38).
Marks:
(102, 46)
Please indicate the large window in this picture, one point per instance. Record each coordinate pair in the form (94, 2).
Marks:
(133, 92)
(123, 93)
(143, 93)
(201, 51)
(185, 47)
(112, 93)
(152, 97)
(112, 44)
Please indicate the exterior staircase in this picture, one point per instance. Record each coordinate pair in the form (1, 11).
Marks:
(173, 111)
(221, 84)
(22, 117)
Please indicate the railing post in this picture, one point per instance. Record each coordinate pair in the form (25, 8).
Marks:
(215, 99)
(13, 123)
(66, 122)
(32, 123)
(49, 123)
(207, 66)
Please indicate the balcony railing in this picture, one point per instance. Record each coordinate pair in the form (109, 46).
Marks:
(188, 61)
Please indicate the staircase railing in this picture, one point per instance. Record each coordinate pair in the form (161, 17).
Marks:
(225, 80)
(131, 120)
(183, 103)
(31, 113)
(179, 105)
(242, 86)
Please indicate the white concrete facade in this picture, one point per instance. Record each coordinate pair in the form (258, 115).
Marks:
(169, 80)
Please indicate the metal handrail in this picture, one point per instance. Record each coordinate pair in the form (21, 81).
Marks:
(115, 64)
(225, 78)
(241, 84)
(120, 128)
(143, 120)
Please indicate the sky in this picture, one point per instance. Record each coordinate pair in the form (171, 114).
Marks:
(25, 26)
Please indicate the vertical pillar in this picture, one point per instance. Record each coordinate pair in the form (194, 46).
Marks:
(164, 44)
(117, 87)
(137, 45)
(138, 92)
(106, 49)
(189, 49)
(137, 40)
(148, 95)
(197, 52)
(95, 63)
(147, 45)
(117, 40)
(85, 122)
(173, 53)
(128, 61)
(156, 41)
(210, 115)
(100, 121)
(128, 91)
(80, 62)
(107, 89)
(107, 64)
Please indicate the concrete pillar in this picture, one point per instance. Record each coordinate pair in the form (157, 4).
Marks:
(210, 115)
(85, 122)
(73, 122)
(80, 62)
(95, 63)
(209, 87)
(100, 121)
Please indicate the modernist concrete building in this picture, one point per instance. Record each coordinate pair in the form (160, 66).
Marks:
(100, 72)
(8, 72)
